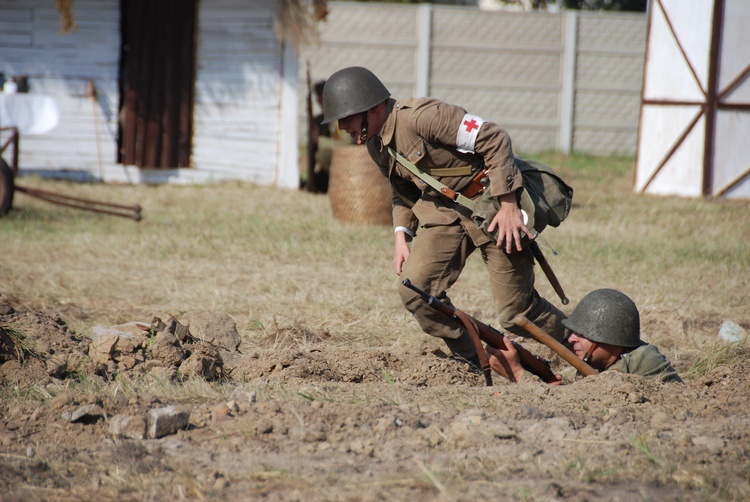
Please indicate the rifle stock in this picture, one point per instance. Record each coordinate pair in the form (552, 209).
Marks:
(488, 334)
(540, 336)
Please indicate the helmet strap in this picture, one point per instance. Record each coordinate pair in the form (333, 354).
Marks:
(589, 353)
(363, 131)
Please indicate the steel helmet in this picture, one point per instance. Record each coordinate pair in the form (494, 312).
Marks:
(350, 91)
(606, 316)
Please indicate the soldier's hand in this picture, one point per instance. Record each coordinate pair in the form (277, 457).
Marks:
(509, 224)
(506, 362)
(400, 252)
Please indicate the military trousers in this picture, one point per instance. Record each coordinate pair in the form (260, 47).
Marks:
(437, 258)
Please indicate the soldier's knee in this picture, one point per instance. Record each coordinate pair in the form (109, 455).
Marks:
(506, 316)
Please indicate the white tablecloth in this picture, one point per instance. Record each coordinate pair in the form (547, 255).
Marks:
(30, 113)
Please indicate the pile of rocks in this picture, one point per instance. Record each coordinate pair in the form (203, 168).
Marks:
(167, 350)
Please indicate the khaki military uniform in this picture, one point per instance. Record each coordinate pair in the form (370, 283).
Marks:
(426, 132)
(647, 361)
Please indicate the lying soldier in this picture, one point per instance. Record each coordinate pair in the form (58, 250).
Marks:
(606, 334)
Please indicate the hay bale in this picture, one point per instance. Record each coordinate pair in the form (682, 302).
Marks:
(359, 193)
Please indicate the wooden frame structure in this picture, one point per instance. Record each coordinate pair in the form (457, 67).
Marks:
(695, 108)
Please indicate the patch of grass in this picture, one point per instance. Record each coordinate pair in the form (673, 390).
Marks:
(641, 444)
(30, 392)
(396, 395)
(591, 165)
(719, 354)
(83, 383)
(16, 341)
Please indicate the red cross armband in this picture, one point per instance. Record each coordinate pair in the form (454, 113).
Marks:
(467, 132)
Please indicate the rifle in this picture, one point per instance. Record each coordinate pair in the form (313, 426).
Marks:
(310, 184)
(540, 336)
(551, 277)
(491, 336)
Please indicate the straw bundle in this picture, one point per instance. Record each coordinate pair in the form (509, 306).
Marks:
(359, 193)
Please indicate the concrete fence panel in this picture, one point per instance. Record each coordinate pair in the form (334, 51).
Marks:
(566, 81)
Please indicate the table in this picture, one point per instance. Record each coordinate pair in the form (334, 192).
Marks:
(30, 113)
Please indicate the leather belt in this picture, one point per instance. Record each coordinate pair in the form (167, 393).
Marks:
(478, 185)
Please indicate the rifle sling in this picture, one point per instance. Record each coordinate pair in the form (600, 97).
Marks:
(474, 332)
(425, 176)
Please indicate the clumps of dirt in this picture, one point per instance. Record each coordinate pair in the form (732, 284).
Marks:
(164, 350)
(292, 335)
(294, 353)
(36, 348)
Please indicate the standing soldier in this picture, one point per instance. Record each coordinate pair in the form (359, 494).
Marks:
(455, 147)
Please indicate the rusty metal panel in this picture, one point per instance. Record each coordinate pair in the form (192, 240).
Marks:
(157, 79)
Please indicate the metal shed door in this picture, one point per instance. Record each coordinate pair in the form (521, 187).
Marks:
(157, 68)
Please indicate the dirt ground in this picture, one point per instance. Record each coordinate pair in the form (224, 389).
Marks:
(295, 416)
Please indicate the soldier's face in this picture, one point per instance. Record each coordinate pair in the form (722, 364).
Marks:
(353, 126)
(581, 344)
(603, 356)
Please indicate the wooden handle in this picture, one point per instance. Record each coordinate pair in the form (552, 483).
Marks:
(540, 336)
(547, 269)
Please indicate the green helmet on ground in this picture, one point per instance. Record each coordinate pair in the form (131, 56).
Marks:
(350, 91)
(606, 316)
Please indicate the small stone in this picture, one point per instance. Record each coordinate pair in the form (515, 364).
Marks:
(166, 349)
(127, 362)
(101, 348)
(215, 328)
(731, 332)
(165, 421)
(128, 426)
(221, 413)
(87, 414)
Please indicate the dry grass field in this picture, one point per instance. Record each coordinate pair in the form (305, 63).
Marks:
(333, 392)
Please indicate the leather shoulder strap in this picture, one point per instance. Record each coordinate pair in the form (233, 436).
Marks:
(424, 176)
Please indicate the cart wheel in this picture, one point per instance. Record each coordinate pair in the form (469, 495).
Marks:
(6, 187)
